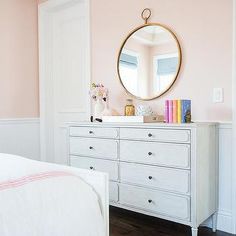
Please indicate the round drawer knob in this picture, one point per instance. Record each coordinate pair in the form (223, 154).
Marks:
(90, 147)
(150, 135)
(91, 132)
(150, 177)
(91, 168)
(149, 201)
(150, 153)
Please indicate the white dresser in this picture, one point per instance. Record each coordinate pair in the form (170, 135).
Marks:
(163, 170)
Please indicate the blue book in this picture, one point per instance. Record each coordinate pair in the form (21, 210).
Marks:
(186, 111)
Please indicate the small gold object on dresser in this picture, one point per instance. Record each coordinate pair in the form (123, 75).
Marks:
(129, 108)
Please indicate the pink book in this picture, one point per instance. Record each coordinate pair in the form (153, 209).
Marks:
(167, 111)
(170, 111)
(175, 106)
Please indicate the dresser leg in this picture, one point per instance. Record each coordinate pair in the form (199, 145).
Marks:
(214, 222)
(194, 231)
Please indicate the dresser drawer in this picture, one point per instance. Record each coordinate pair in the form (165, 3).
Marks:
(99, 148)
(110, 167)
(113, 192)
(155, 201)
(166, 154)
(161, 135)
(94, 132)
(156, 177)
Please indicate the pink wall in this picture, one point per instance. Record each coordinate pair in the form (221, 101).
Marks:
(204, 29)
(18, 59)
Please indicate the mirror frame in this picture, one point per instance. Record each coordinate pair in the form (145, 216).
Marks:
(179, 63)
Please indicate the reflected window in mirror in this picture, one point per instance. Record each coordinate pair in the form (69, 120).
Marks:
(165, 67)
(129, 69)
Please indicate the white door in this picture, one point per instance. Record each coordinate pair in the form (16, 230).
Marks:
(64, 73)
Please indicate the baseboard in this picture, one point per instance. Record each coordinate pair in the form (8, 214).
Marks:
(224, 221)
(20, 137)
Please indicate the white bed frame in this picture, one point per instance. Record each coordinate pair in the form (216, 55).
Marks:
(99, 181)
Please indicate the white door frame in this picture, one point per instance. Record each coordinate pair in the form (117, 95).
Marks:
(45, 16)
(234, 123)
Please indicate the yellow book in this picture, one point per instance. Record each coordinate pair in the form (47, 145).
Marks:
(179, 111)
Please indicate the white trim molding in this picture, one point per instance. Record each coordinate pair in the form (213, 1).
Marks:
(19, 121)
(20, 137)
(225, 211)
(52, 116)
(224, 221)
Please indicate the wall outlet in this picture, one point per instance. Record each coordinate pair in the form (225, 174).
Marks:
(218, 95)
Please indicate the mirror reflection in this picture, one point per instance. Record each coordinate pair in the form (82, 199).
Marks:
(149, 61)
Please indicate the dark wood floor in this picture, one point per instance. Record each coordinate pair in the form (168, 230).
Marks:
(128, 223)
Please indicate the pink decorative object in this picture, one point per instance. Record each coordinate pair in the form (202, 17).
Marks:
(170, 111)
(98, 91)
(167, 111)
(100, 95)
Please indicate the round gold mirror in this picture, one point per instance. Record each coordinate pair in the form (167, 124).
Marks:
(149, 60)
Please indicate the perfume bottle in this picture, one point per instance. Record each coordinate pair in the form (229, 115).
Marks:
(129, 108)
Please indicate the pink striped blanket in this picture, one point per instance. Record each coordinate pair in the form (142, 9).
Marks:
(41, 199)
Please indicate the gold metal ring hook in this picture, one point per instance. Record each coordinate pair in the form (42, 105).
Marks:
(146, 14)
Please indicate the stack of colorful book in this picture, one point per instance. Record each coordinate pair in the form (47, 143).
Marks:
(178, 111)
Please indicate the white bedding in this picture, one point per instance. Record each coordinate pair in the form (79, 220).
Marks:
(41, 199)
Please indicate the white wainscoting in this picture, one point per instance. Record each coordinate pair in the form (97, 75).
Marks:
(225, 180)
(20, 137)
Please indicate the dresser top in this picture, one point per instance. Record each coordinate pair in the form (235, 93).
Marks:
(142, 125)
